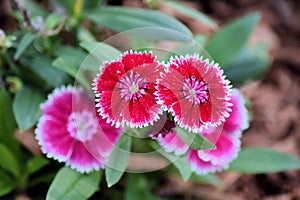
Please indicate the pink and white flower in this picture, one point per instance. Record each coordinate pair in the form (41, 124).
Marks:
(125, 90)
(209, 161)
(225, 137)
(238, 119)
(70, 131)
(169, 140)
(195, 91)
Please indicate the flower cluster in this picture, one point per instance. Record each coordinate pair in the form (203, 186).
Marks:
(134, 91)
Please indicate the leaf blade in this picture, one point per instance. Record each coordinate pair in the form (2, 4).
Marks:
(195, 141)
(8, 161)
(124, 18)
(7, 123)
(191, 13)
(118, 160)
(26, 40)
(224, 45)
(261, 160)
(69, 184)
(6, 184)
(26, 107)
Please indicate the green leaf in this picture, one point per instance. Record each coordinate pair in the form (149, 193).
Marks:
(180, 162)
(71, 54)
(35, 164)
(225, 45)
(261, 160)
(211, 179)
(6, 184)
(192, 47)
(137, 187)
(124, 18)
(26, 40)
(41, 65)
(190, 12)
(69, 184)
(85, 35)
(250, 64)
(26, 107)
(195, 141)
(118, 160)
(70, 68)
(53, 20)
(8, 161)
(98, 53)
(44, 178)
(7, 123)
(34, 9)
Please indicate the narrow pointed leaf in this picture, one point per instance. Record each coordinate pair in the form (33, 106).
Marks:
(180, 162)
(124, 18)
(6, 183)
(118, 160)
(7, 123)
(225, 44)
(195, 141)
(260, 160)
(26, 40)
(69, 184)
(26, 107)
(9, 162)
(190, 12)
(35, 164)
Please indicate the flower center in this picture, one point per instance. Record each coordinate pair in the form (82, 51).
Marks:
(132, 86)
(195, 91)
(82, 125)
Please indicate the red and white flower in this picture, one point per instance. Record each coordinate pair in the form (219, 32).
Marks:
(125, 90)
(195, 91)
(70, 130)
(225, 137)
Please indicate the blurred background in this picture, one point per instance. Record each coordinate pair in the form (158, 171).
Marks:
(274, 98)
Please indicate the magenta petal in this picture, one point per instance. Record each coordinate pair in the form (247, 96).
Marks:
(172, 143)
(82, 160)
(238, 119)
(102, 143)
(226, 149)
(200, 166)
(54, 139)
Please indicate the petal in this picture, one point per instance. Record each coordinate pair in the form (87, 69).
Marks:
(238, 119)
(82, 161)
(172, 143)
(54, 139)
(102, 143)
(226, 149)
(132, 59)
(200, 166)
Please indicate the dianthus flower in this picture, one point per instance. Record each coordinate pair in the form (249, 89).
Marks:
(70, 130)
(125, 88)
(195, 91)
(225, 137)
